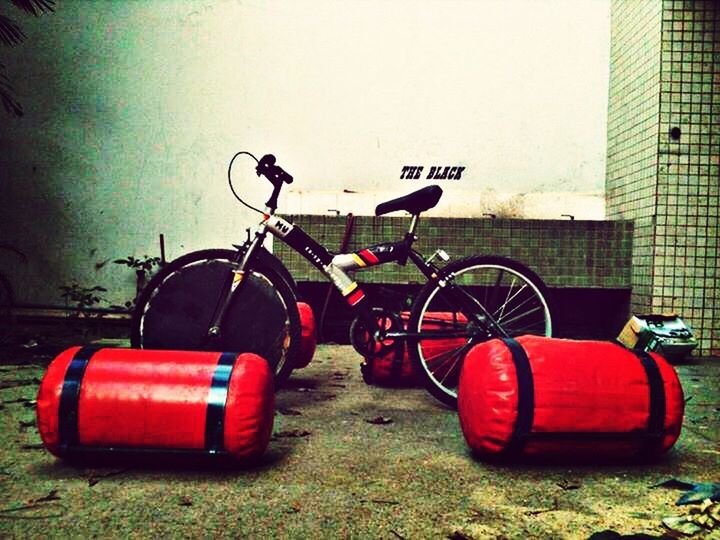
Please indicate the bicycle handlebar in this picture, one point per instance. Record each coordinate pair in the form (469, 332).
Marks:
(266, 167)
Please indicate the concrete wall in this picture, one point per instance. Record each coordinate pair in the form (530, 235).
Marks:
(133, 110)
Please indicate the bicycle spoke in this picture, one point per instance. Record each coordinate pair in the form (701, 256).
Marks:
(513, 310)
(518, 317)
(507, 299)
(539, 325)
(457, 364)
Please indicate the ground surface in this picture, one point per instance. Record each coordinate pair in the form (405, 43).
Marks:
(329, 473)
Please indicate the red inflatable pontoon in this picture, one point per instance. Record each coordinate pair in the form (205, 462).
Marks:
(394, 368)
(175, 401)
(308, 336)
(544, 396)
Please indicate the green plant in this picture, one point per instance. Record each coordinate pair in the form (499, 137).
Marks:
(82, 298)
(11, 34)
(144, 267)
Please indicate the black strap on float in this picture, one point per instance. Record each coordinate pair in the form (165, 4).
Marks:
(526, 397)
(217, 398)
(70, 398)
(656, 418)
(522, 431)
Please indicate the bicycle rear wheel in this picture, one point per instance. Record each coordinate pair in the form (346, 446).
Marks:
(176, 309)
(451, 313)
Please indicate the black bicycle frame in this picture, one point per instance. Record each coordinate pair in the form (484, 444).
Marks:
(335, 268)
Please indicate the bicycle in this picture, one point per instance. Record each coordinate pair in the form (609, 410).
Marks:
(245, 299)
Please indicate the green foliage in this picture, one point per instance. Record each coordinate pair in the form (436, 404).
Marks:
(82, 297)
(11, 35)
(144, 264)
(144, 267)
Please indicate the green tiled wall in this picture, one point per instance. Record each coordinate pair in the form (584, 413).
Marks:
(633, 119)
(588, 254)
(673, 198)
(686, 236)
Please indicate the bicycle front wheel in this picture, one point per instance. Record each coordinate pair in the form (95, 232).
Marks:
(452, 314)
(175, 311)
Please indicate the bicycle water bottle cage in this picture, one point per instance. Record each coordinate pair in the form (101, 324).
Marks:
(416, 202)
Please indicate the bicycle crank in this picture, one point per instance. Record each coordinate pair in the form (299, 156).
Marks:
(373, 341)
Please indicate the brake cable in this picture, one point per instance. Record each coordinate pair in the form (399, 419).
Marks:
(242, 152)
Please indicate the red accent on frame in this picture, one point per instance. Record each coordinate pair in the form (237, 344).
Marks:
(369, 256)
(355, 297)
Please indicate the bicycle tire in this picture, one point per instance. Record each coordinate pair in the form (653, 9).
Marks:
(513, 294)
(7, 316)
(172, 313)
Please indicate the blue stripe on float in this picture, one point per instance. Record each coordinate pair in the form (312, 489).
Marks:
(217, 397)
(70, 398)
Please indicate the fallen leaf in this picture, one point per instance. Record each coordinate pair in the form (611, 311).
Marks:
(18, 400)
(25, 424)
(681, 524)
(94, 475)
(459, 535)
(289, 412)
(38, 446)
(12, 383)
(185, 501)
(294, 508)
(292, 433)
(379, 420)
(51, 496)
(567, 485)
(324, 397)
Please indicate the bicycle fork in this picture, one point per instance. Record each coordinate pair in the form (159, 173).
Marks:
(238, 278)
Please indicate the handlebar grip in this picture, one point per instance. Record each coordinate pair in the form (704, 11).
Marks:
(267, 168)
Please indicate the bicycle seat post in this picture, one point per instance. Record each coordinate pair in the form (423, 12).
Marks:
(410, 236)
(413, 224)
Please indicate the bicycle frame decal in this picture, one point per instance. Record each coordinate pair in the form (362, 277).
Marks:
(372, 256)
(278, 226)
(320, 258)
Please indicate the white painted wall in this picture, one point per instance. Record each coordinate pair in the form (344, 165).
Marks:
(135, 108)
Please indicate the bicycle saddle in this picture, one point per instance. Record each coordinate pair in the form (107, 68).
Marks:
(416, 202)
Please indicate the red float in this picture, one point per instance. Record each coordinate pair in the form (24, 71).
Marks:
(538, 396)
(127, 399)
(308, 335)
(394, 368)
